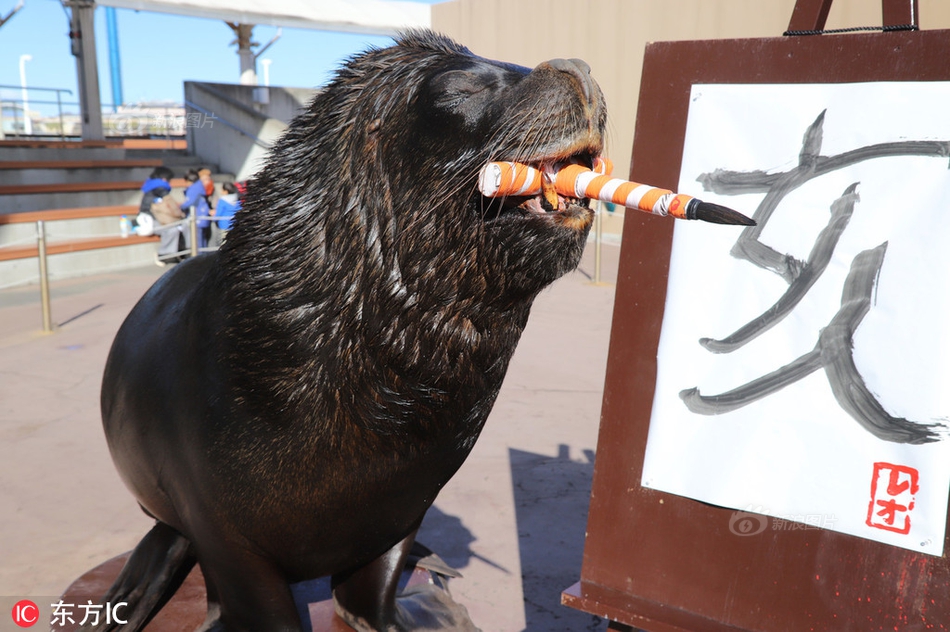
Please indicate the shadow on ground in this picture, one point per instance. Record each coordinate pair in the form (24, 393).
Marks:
(552, 494)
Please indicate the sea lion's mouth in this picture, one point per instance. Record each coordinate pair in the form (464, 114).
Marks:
(546, 203)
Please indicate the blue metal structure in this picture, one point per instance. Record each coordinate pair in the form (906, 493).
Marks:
(115, 64)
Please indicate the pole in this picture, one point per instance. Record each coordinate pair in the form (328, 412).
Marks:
(16, 122)
(248, 61)
(27, 121)
(115, 62)
(193, 228)
(44, 276)
(266, 64)
(83, 36)
(598, 241)
(59, 108)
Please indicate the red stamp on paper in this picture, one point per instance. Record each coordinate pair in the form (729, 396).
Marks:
(893, 489)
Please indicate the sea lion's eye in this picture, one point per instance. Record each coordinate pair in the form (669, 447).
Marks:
(450, 89)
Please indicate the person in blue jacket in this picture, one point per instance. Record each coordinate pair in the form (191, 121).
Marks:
(157, 185)
(158, 203)
(196, 202)
(228, 204)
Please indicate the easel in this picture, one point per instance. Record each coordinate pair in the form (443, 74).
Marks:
(666, 563)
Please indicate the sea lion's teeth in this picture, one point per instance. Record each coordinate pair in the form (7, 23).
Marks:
(533, 205)
(549, 192)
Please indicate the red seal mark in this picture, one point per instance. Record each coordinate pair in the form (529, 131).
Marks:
(25, 613)
(893, 489)
(675, 206)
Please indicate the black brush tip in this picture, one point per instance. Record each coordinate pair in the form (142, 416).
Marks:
(716, 214)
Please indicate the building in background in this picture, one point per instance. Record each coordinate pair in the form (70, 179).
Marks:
(611, 36)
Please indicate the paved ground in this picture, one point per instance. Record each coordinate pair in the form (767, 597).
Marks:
(512, 520)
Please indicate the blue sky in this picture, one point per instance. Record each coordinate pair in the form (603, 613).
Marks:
(159, 51)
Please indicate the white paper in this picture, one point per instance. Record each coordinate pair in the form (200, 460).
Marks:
(797, 453)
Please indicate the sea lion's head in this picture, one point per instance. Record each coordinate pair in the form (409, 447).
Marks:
(376, 183)
(365, 256)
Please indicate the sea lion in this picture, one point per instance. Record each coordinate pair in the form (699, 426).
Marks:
(290, 406)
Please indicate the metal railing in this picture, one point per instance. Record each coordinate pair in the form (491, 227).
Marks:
(13, 102)
(151, 120)
(192, 248)
(43, 252)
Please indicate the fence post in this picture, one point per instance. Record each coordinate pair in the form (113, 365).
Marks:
(598, 239)
(16, 123)
(59, 109)
(193, 228)
(44, 276)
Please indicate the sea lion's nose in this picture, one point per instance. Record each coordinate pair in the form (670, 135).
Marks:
(580, 71)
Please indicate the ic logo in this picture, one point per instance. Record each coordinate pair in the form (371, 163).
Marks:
(26, 613)
(743, 523)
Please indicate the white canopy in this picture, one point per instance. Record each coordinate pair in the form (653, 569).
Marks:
(380, 17)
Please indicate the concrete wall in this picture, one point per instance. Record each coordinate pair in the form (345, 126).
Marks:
(233, 129)
(276, 102)
(611, 35)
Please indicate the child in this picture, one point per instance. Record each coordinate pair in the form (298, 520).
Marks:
(157, 202)
(228, 204)
(196, 202)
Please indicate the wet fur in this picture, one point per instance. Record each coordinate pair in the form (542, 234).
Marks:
(293, 404)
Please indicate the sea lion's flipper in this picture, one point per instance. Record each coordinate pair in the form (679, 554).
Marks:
(246, 590)
(366, 598)
(157, 567)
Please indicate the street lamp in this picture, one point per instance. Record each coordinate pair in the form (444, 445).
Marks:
(266, 64)
(27, 123)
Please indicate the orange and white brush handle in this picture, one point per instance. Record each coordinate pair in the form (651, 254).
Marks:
(502, 179)
(576, 181)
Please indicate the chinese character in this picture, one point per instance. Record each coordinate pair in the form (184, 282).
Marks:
(91, 609)
(833, 350)
(893, 489)
(62, 614)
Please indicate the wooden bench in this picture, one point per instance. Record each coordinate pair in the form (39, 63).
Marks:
(115, 143)
(79, 164)
(9, 253)
(155, 143)
(60, 214)
(79, 244)
(80, 187)
(60, 144)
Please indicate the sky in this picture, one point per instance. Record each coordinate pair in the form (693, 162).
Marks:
(159, 52)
